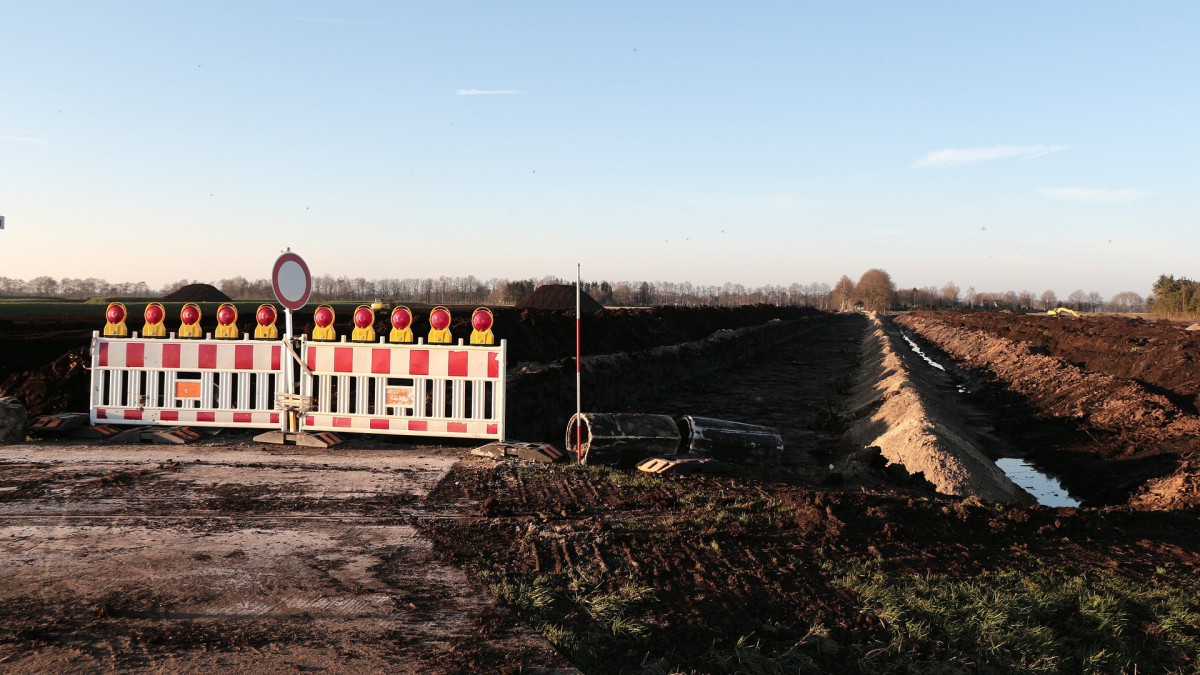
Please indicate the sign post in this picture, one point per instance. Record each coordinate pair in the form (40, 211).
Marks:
(292, 283)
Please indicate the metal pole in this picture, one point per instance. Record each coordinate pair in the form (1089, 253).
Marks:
(289, 371)
(578, 369)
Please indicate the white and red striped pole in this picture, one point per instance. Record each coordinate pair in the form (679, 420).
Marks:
(578, 368)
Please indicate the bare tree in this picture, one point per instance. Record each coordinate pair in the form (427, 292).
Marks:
(950, 293)
(842, 296)
(876, 290)
(1048, 298)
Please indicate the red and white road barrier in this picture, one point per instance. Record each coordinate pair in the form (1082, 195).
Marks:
(220, 383)
(405, 389)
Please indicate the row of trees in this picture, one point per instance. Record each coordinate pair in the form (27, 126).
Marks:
(453, 290)
(951, 296)
(1177, 298)
(874, 290)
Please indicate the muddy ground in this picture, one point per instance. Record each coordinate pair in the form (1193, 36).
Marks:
(366, 558)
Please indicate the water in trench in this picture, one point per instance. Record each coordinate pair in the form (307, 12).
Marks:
(920, 353)
(1046, 489)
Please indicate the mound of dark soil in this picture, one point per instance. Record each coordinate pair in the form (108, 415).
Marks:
(557, 296)
(61, 386)
(197, 293)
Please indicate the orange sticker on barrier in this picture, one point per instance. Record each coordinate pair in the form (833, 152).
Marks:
(188, 389)
(399, 397)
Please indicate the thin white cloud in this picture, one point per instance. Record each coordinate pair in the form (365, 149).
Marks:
(486, 92)
(969, 156)
(322, 19)
(20, 138)
(1095, 195)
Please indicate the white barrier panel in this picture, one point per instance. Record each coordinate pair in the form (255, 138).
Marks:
(216, 383)
(454, 391)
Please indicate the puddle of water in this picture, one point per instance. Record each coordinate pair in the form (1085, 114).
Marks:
(920, 353)
(1046, 489)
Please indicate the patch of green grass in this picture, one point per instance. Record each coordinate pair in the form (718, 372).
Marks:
(568, 610)
(1012, 621)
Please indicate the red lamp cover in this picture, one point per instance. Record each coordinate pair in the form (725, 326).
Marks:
(439, 318)
(401, 318)
(115, 313)
(363, 317)
(481, 320)
(154, 313)
(190, 314)
(323, 316)
(265, 315)
(226, 315)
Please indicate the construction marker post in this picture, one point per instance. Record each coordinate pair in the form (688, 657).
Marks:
(578, 365)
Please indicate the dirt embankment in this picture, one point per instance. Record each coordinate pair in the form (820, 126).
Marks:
(902, 416)
(541, 398)
(1162, 355)
(1110, 438)
(34, 368)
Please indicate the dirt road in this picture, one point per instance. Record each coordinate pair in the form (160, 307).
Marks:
(235, 558)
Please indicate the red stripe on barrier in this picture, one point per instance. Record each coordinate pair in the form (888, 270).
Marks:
(274, 418)
(341, 422)
(381, 361)
(243, 357)
(101, 414)
(456, 427)
(207, 357)
(103, 354)
(418, 362)
(308, 420)
(169, 416)
(418, 425)
(133, 414)
(493, 365)
(275, 354)
(206, 417)
(242, 418)
(171, 356)
(135, 355)
(343, 360)
(458, 364)
(312, 358)
(381, 424)
(493, 428)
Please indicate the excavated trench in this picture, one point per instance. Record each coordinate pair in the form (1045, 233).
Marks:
(900, 406)
(1095, 403)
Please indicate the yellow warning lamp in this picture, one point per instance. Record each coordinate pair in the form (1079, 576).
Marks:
(439, 320)
(189, 317)
(266, 316)
(401, 325)
(114, 317)
(364, 325)
(324, 329)
(154, 315)
(481, 327)
(226, 322)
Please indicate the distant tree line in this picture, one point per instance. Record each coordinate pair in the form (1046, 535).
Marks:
(874, 290)
(1175, 298)
(950, 296)
(449, 290)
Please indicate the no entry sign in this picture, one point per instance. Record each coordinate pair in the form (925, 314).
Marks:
(291, 281)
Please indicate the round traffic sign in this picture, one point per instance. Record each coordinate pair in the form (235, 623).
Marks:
(291, 281)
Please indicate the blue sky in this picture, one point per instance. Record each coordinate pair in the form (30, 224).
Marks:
(1016, 145)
